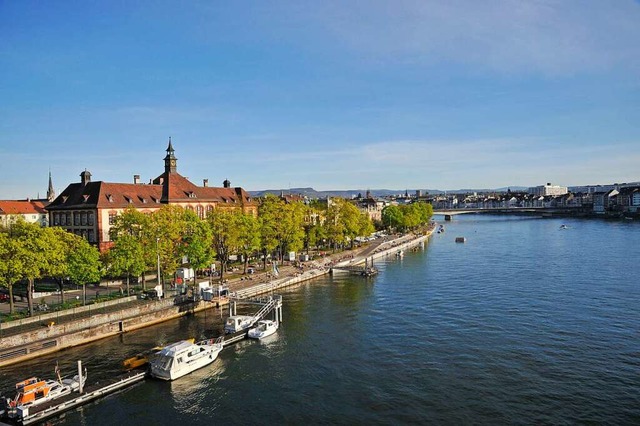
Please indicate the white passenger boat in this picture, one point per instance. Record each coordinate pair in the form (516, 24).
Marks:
(263, 329)
(236, 323)
(183, 357)
(34, 391)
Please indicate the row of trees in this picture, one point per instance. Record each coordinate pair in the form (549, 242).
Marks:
(29, 252)
(405, 217)
(172, 234)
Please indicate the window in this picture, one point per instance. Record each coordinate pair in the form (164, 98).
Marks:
(84, 219)
(76, 218)
(112, 218)
(56, 219)
(200, 211)
(91, 235)
(90, 218)
(63, 219)
(69, 219)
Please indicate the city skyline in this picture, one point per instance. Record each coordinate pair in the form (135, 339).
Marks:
(334, 96)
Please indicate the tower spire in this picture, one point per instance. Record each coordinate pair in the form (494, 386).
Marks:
(170, 160)
(51, 193)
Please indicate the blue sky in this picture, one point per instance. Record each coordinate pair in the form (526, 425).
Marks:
(331, 94)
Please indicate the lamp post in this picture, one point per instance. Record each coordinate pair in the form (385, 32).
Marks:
(158, 253)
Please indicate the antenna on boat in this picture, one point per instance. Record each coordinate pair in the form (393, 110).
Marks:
(57, 370)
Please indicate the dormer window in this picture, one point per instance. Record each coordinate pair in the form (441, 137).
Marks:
(110, 198)
(191, 194)
(85, 198)
(64, 198)
(129, 199)
(143, 200)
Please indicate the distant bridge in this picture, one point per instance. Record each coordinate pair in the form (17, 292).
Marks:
(543, 211)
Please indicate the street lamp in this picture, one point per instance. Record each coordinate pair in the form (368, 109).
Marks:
(158, 253)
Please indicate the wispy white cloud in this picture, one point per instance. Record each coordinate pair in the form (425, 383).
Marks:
(546, 36)
(452, 164)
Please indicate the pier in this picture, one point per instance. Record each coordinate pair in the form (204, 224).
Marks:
(39, 413)
(29, 415)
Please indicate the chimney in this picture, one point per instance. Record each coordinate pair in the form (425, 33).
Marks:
(226, 183)
(85, 177)
(205, 182)
(136, 179)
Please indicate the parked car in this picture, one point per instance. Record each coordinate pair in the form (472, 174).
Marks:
(4, 297)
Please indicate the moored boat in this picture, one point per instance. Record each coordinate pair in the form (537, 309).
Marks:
(263, 329)
(237, 323)
(142, 359)
(181, 358)
(34, 391)
(460, 239)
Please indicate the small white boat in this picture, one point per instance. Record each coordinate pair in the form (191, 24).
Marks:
(400, 254)
(181, 358)
(34, 391)
(236, 323)
(265, 328)
(563, 226)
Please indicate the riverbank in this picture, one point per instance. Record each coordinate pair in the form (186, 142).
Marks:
(49, 333)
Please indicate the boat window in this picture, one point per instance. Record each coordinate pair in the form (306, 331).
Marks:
(164, 362)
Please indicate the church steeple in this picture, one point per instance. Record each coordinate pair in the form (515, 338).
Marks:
(170, 159)
(51, 193)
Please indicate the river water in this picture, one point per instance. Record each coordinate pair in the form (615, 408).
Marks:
(524, 323)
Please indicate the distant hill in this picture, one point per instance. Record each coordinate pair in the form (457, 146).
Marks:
(350, 193)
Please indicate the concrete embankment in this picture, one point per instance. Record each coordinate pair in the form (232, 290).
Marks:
(47, 339)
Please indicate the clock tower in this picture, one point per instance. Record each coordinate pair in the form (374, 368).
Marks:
(170, 160)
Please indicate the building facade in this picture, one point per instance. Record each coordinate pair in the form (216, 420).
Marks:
(89, 209)
(32, 211)
(548, 189)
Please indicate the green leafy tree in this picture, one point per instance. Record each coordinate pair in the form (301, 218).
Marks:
(365, 225)
(138, 225)
(126, 257)
(84, 266)
(268, 216)
(224, 236)
(65, 243)
(196, 240)
(11, 263)
(392, 217)
(290, 227)
(334, 224)
(32, 254)
(248, 236)
(167, 227)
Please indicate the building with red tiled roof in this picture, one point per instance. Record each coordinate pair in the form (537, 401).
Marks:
(32, 211)
(89, 208)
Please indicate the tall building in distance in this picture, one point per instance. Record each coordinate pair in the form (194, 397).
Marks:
(89, 208)
(548, 189)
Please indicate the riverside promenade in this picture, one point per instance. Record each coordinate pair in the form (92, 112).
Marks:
(51, 332)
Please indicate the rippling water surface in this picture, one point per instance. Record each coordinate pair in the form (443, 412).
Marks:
(524, 323)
